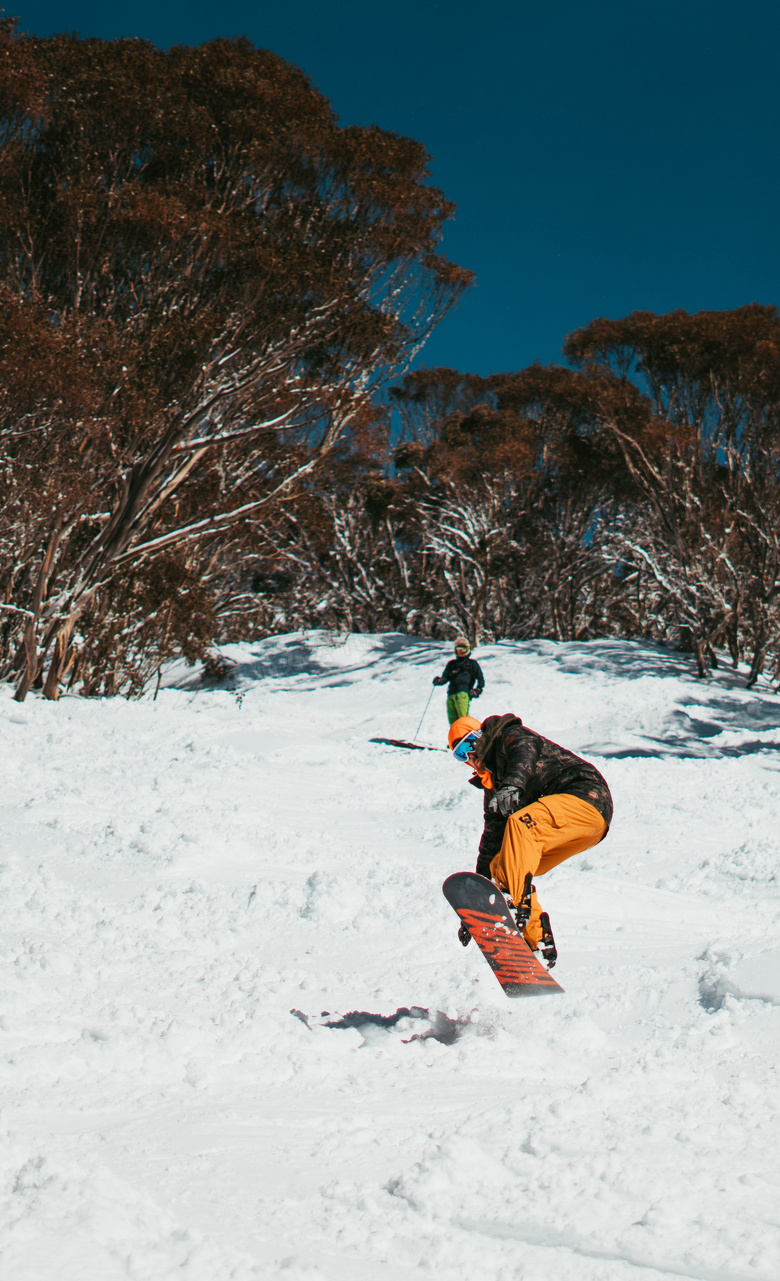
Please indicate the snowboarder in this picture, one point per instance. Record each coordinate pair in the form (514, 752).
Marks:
(465, 680)
(543, 804)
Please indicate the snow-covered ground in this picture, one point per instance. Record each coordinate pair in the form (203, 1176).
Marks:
(179, 874)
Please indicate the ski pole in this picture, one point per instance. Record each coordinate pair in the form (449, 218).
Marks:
(422, 718)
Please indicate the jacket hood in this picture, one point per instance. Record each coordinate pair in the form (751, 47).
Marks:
(492, 728)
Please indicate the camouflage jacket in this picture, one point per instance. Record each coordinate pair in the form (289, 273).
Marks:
(518, 757)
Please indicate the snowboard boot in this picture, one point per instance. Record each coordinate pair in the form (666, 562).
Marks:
(549, 950)
(524, 908)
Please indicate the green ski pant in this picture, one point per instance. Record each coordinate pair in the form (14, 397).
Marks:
(457, 705)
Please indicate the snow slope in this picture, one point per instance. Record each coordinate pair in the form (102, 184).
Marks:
(179, 874)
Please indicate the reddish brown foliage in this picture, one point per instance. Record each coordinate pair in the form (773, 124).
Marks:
(204, 278)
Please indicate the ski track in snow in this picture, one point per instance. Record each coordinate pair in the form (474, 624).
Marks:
(178, 874)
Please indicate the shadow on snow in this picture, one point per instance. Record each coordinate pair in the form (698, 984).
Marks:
(441, 1027)
(718, 706)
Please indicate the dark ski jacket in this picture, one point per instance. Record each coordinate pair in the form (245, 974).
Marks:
(517, 757)
(463, 674)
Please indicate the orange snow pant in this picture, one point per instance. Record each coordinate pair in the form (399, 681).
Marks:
(539, 837)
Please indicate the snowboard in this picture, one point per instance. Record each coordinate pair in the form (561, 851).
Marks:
(402, 742)
(483, 911)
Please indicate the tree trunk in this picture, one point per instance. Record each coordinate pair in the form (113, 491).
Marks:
(30, 670)
(60, 661)
(757, 666)
(34, 659)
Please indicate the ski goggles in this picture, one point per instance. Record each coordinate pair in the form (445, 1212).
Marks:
(461, 750)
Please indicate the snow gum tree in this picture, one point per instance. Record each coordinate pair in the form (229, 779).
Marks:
(492, 522)
(203, 279)
(705, 520)
(634, 492)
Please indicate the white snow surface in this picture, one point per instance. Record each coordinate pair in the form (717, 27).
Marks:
(179, 873)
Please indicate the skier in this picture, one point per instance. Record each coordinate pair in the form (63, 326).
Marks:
(543, 804)
(465, 680)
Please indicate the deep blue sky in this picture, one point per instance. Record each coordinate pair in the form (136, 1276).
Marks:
(604, 155)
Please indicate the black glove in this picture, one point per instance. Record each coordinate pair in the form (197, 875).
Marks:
(505, 801)
(439, 680)
(474, 693)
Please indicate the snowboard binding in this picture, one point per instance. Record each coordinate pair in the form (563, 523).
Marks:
(522, 915)
(548, 949)
(523, 911)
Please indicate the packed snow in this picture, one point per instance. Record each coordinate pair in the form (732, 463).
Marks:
(239, 1037)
